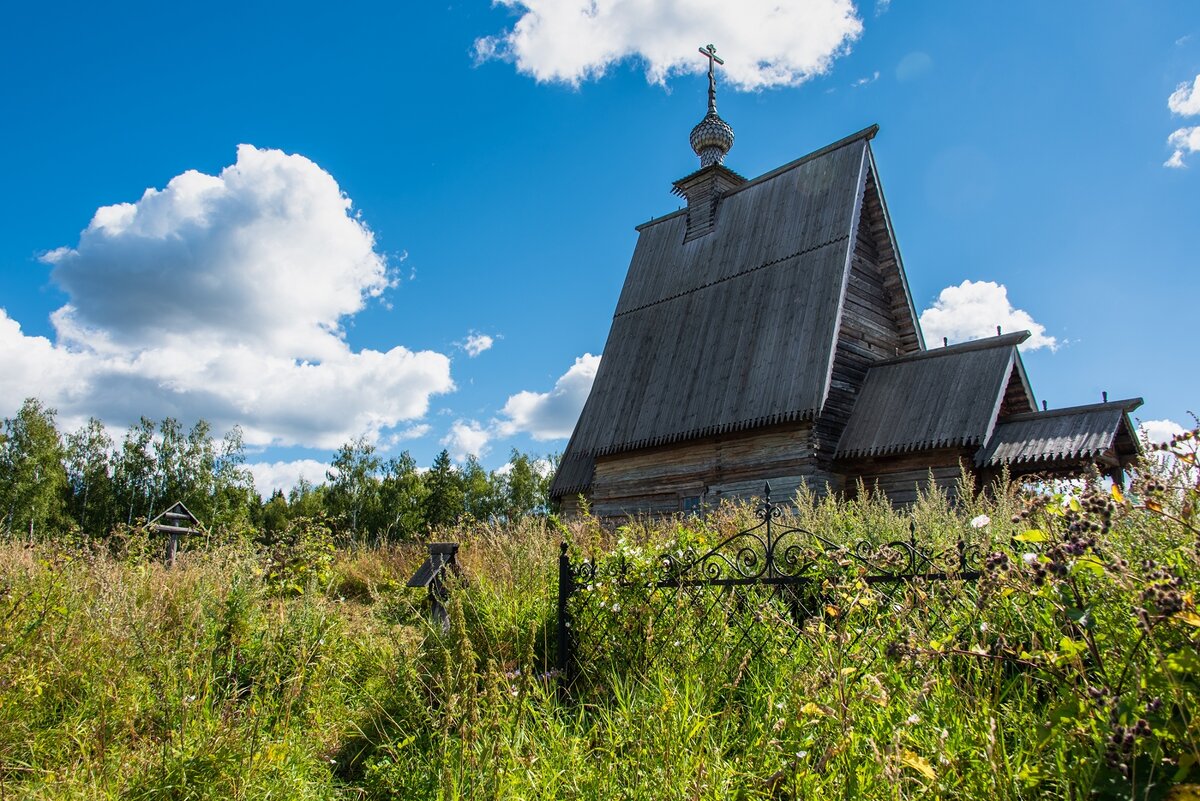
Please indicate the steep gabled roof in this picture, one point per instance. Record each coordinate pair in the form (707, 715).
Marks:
(1070, 434)
(734, 329)
(946, 397)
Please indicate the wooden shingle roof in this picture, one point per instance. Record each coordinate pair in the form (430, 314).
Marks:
(940, 398)
(732, 330)
(1070, 434)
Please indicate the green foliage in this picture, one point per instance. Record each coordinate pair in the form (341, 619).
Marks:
(353, 495)
(33, 480)
(1069, 670)
(300, 558)
(89, 486)
(402, 495)
(89, 475)
(444, 499)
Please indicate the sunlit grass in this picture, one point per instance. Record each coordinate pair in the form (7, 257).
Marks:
(226, 678)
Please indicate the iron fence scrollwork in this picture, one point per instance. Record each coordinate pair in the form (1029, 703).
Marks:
(764, 584)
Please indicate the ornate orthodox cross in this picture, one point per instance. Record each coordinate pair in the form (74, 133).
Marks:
(710, 53)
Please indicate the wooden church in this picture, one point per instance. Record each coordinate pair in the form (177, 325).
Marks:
(766, 332)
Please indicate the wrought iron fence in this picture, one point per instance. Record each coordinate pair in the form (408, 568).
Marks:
(773, 590)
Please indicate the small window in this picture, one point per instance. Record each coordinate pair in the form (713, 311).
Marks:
(689, 504)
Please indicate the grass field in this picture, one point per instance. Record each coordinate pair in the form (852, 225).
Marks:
(1071, 669)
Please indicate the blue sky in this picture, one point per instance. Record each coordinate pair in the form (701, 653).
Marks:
(497, 158)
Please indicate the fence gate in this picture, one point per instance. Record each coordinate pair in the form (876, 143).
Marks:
(770, 591)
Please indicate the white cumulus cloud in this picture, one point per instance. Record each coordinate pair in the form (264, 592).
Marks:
(542, 467)
(973, 309)
(476, 344)
(224, 297)
(764, 42)
(271, 476)
(553, 414)
(467, 438)
(1185, 141)
(1185, 100)
(1157, 431)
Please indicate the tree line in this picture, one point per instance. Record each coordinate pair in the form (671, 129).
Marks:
(84, 483)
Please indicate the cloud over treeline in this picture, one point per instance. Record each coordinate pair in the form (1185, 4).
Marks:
(224, 297)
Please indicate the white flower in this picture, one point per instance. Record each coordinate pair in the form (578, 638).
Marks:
(980, 522)
(914, 719)
(1029, 558)
(983, 626)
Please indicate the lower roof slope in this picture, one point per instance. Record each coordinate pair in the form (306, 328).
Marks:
(946, 397)
(1071, 434)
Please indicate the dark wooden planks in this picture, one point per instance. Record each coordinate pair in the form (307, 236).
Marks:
(903, 477)
(655, 480)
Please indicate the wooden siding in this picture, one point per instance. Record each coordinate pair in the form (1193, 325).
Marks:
(655, 480)
(902, 477)
(871, 328)
(568, 506)
(1018, 395)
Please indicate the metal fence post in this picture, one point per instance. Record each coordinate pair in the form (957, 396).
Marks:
(565, 651)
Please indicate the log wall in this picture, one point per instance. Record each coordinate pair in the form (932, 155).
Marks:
(656, 480)
(870, 328)
(901, 477)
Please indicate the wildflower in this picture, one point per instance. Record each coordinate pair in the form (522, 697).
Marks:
(1029, 558)
(980, 521)
(913, 719)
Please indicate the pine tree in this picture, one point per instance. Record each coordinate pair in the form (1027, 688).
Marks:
(444, 501)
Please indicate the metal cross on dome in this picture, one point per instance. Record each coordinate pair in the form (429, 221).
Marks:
(710, 53)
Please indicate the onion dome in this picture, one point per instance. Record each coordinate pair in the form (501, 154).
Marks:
(711, 138)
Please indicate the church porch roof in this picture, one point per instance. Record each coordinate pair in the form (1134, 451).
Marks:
(1070, 434)
(940, 398)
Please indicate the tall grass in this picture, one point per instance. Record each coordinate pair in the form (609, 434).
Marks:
(1069, 672)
